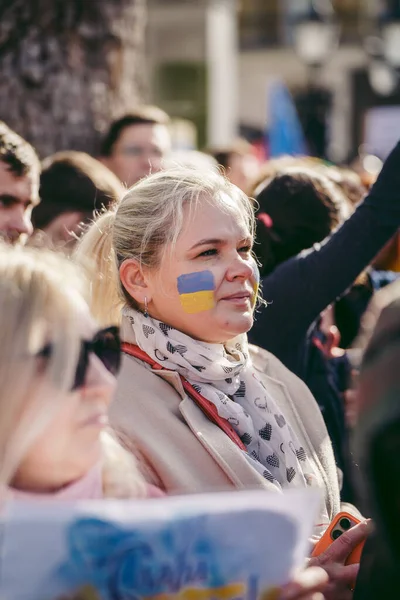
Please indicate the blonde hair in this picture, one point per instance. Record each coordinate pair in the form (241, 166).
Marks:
(122, 477)
(144, 224)
(37, 309)
(39, 297)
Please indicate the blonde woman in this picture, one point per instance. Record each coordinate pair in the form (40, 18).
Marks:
(57, 378)
(206, 411)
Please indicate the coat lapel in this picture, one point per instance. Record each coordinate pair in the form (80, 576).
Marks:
(225, 453)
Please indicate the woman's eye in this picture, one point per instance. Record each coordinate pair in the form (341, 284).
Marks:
(244, 249)
(211, 252)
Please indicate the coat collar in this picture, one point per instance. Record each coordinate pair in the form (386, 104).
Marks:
(259, 358)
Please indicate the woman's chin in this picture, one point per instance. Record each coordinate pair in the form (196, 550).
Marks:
(238, 325)
(222, 329)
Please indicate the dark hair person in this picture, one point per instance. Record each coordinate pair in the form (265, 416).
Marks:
(296, 209)
(73, 186)
(19, 185)
(136, 144)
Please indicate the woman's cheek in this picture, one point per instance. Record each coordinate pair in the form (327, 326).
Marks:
(197, 291)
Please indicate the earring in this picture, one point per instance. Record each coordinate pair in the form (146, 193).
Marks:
(146, 313)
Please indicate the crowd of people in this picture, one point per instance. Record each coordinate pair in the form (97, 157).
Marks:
(204, 325)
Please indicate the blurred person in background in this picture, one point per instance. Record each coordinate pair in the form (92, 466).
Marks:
(299, 288)
(349, 309)
(239, 163)
(349, 182)
(298, 207)
(376, 443)
(57, 379)
(136, 144)
(73, 186)
(19, 185)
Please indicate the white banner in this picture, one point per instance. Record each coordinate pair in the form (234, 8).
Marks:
(221, 546)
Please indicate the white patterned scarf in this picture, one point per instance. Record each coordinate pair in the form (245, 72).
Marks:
(224, 375)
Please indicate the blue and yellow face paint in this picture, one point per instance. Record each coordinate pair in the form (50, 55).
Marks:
(196, 291)
(255, 281)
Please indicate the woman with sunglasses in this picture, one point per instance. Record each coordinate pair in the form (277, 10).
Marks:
(206, 411)
(57, 378)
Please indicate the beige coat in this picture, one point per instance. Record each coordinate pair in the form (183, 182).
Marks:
(186, 453)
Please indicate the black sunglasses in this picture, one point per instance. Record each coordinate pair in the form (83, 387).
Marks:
(106, 345)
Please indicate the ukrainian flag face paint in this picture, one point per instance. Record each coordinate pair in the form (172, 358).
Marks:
(196, 291)
(255, 280)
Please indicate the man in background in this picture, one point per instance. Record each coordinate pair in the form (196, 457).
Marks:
(19, 185)
(136, 144)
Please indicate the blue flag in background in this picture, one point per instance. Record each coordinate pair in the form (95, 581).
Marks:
(285, 134)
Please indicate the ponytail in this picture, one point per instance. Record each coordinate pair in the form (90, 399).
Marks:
(96, 255)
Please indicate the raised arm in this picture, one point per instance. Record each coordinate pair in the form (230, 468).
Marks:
(300, 288)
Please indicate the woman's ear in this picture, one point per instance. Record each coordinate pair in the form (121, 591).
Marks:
(134, 281)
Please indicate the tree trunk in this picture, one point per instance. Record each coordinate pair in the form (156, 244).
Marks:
(67, 67)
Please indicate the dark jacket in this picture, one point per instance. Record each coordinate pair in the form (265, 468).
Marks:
(299, 289)
(378, 578)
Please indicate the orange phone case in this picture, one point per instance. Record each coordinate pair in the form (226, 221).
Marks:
(340, 524)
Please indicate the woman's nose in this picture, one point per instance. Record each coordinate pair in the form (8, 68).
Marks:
(241, 268)
(99, 382)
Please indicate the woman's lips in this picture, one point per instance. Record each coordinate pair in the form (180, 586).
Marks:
(239, 299)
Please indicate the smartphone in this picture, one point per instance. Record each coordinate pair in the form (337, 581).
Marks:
(340, 524)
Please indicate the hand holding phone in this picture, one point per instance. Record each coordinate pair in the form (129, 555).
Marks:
(340, 524)
(336, 556)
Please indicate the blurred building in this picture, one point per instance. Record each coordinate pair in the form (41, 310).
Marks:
(211, 61)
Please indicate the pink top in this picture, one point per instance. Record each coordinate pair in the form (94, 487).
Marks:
(154, 492)
(89, 487)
